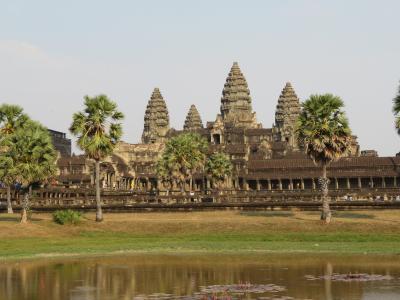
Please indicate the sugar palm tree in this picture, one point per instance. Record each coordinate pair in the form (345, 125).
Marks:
(165, 172)
(183, 156)
(11, 118)
(396, 110)
(324, 133)
(98, 130)
(33, 157)
(219, 167)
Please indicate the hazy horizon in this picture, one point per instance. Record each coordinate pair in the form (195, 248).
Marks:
(52, 54)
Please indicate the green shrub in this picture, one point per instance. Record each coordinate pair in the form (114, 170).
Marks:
(67, 217)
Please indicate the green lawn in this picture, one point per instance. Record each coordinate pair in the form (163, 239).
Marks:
(374, 232)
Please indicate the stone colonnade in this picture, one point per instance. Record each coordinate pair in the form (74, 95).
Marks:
(336, 183)
(148, 183)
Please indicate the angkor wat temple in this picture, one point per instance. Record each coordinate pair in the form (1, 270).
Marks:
(265, 160)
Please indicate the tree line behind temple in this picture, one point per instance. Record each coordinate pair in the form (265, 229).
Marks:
(28, 158)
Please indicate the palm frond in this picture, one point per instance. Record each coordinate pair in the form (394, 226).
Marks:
(323, 129)
(96, 128)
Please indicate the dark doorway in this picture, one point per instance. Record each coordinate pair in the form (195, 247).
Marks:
(217, 139)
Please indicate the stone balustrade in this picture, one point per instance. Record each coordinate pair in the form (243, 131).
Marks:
(50, 199)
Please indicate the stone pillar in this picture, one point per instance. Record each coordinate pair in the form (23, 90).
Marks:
(336, 183)
(371, 182)
(111, 180)
(280, 184)
(148, 184)
(383, 182)
(395, 181)
(302, 183)
(269, 184)
(359, 183)
(314, 187)
(291, 184)
(348, 182)
(245, 184)
(258, 185)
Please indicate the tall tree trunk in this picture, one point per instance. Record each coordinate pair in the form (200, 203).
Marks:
(99, 212)
(24, 208)
(326, 214)
(9, 206)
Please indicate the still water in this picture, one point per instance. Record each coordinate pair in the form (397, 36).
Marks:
(263, 276)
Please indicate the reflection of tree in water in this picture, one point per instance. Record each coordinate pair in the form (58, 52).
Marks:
(349, 277)
(126, 277)
(328, 285)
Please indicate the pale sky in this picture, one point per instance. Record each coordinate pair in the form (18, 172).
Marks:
(52, 53)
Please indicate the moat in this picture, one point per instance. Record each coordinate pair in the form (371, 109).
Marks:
(153, 276)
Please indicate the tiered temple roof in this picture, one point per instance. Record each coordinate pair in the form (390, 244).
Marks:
(156, 119)
(288, 107)
(287, 111)
(193, 119)
(236, 101)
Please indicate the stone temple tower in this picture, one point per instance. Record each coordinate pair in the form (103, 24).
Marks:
(236, 101)
(156, 119)
(286, 114)
(193, 119)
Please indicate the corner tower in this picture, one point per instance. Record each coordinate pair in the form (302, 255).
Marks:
(193, 119)
(286, 114)
(156, 119)
(236, 101)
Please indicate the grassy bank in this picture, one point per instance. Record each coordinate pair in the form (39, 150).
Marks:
(218, 231)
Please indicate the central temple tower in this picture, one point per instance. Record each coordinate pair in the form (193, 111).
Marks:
(236, 101)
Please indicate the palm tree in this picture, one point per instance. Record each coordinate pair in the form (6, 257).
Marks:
(165, 172)
(98, 131)
(324, 133)
(31, 150)
(219, 167)
(183, 156)
(396, 110)
(11, 118)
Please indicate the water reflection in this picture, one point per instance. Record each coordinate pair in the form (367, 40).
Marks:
(172, 276)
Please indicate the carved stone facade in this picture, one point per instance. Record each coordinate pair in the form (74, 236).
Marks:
(156, 119)
(286, 114)
(236, 105)
(60, 142)
(193, 120)
(265, 159)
